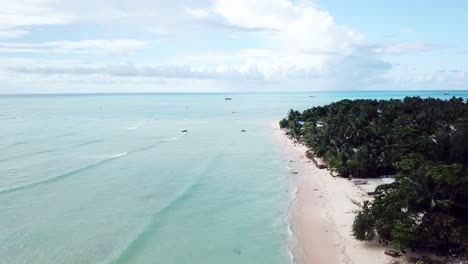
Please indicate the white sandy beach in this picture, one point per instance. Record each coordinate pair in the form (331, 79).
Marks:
(321, 215)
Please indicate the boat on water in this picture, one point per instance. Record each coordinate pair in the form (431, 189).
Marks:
(228, 98)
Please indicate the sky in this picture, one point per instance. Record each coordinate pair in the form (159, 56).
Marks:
(89, 46)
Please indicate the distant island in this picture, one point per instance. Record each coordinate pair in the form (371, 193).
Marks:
(420, 144)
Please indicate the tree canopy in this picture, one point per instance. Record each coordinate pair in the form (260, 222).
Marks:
(422, 142)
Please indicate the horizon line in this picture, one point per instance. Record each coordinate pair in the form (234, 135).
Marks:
(227, 92)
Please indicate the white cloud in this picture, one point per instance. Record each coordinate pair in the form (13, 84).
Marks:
(265, 40)
(198, 13)
(34, 67)
(304, 41)
(74, 68)
(402, 48)
(297, 40)
(12, 33)
(95, 46)
(260, 65)
(438, 76)
(302, 27)
(18, 15)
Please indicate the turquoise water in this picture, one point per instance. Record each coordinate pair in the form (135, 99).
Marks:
(112, 179)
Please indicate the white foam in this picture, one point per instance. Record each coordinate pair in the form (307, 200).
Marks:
(293, 242)
(170, 139)
(132, 128)
(119, 155)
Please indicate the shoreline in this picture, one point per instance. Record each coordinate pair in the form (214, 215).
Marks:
(321, 212)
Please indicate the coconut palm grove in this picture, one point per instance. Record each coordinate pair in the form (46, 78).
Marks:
(422, 143)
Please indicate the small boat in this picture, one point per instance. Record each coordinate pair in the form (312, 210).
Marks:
(184, 131)
(228, 98)
(243, 130)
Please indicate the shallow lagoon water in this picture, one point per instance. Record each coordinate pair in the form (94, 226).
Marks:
(112, 179)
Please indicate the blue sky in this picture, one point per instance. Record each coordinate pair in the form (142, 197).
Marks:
(59, 46)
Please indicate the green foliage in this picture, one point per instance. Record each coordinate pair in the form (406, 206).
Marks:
(365, 138)
(388, 209)
(284, 123)
(424, 142)
(405, 233)
(363, 225)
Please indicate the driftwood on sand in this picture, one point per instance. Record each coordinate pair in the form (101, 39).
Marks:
(310, 154)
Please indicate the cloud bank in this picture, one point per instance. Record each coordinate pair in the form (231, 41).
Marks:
(217, 41)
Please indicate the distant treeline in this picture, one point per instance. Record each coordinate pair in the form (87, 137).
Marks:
(423, 142)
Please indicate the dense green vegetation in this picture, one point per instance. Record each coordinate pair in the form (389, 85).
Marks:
(423, 142)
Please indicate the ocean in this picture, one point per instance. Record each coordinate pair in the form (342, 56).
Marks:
(111, 178)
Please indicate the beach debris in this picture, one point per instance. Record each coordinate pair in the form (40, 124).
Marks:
(392, 253)
(321, 166)
(184, 131)
(359, 181)
(316, 189)
(311, 155)
(295, 172)
(236, 251)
